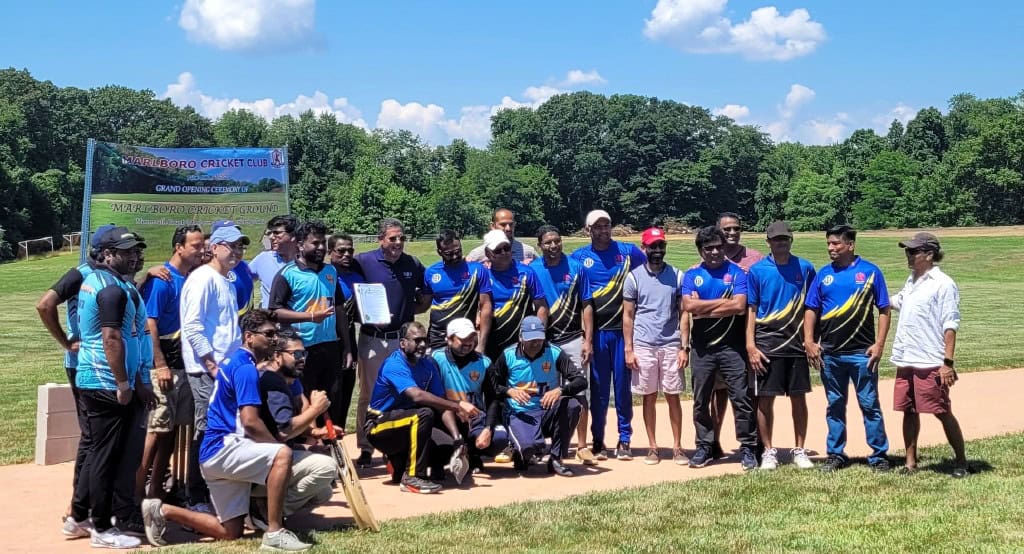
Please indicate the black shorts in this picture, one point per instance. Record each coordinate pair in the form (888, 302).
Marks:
(785, 377)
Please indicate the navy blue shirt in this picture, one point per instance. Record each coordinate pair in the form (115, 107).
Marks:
(777, 294)
(396, 376)
(847, 299)
(455, 292)
(727, 281)
(606, 272)
(401, 279)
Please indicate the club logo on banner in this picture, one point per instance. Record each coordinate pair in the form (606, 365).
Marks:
(152, 191)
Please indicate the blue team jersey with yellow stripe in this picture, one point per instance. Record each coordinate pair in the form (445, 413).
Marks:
(566, 289)
(455, 292)
(513, 292)
(241, 279)
(312, 291)
(727, 281)
(777, 293)
(846, 299)
(536, 377)
(606, 272)
(463, 383)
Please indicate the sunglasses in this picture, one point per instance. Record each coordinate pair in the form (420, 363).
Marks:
(348, 250)
(502, 249)
(450, 253)
(401, 238)
(298, 354)
(417, 340)
(269, 333)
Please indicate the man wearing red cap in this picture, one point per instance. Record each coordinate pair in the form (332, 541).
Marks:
(650, 326)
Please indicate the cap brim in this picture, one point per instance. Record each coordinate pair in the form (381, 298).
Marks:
(463, 335)
(126, 244)
(534, 335)
(910, 244)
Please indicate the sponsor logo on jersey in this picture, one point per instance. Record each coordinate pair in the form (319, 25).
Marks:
(435, 278)
(860, 278)
(727, 279)
(546, 366)
(588, 263)
(698, 280)
(828, 280)
(474, 375)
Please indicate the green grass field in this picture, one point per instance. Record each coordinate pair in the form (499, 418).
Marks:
(984, 266)
(784, 510)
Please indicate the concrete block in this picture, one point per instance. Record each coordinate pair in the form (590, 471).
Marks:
(57, 431)
(56, 451)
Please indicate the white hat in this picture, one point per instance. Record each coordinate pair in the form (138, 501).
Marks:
(495, 238)
(461, 328)
(596, 215)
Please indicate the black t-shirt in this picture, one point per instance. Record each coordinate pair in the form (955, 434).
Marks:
(67, 290)
(278, 405)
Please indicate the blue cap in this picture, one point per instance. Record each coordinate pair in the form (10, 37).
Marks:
(532, 328)
(222, 223)
(97, 235)
(227, 234)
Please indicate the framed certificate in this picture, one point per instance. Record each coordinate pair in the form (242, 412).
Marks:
(372, 300)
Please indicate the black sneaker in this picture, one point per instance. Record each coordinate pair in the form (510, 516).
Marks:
(365, 459)
(881, 466)
(555, 466)
(747, 459)
(716, 451)
(518, 463)
(623, 451)
(419, 486)
(834, 463)
(701, 457)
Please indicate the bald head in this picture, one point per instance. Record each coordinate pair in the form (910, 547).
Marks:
(505, 220)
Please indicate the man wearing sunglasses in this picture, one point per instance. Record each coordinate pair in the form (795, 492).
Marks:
(456, 289)
(402, 277)
(505, 221)
(341, 250)
(515, 291)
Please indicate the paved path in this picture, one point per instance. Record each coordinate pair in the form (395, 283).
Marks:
(35, 496)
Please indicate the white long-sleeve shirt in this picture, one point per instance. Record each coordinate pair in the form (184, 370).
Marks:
(209, 319)
(928, 308)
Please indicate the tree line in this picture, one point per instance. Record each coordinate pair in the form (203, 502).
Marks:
(643, 159)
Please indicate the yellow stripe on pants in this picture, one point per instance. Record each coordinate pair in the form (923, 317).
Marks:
(413, 421)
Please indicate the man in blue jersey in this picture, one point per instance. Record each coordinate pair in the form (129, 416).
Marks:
(776, 291)
(456, 289)
(570, 316)
(174, 406)
(463, 370)
(715, 295)
(63, 291)
(240, 277)
(537, 383)
(283, 249)
(515, 291)
(237, 452)
(408, 411)
(606, 263)
(114, 389)
(840, 340)
(305, 294)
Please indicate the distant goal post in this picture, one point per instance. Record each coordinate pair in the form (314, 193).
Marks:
(31, 247)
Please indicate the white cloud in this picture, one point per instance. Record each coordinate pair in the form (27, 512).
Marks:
(823, 131)
(250, 24)
(424, 120)
(186, 92)
(699, 26)
(735, 112)
(577, 77)
(798, 96)
(901, 112)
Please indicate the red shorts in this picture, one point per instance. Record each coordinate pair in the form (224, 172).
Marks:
(920, 391)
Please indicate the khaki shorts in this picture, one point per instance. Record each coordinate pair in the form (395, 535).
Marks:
(659, 370)
(173, 408)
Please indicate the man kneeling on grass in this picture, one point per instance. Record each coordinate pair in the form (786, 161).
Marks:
(237, 452)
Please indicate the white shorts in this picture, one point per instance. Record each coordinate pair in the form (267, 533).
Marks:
(232, 472)
(659, 370)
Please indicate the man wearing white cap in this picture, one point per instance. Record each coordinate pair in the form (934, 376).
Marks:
(463, 370)
(515, 293)
(505, 221)
(606, 263)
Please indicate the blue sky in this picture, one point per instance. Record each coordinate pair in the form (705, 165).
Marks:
(802, 70)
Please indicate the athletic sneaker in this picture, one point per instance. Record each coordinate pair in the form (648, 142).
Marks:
(679, 457)
(801, 459)
(623, 452)
(881, 466)
(747, 459)
(701, 457)
(504, 457)
(113, 538)
(283, 540)
(154, 521)
(365, 459)
(586, 456)
(652, 457)
(419, 486)
(769, 460)
(833, 463)
(75, 529)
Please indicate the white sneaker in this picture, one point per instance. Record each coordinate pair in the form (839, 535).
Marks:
(77, 530)
(154, 521)
(283, 540)
(113, 538)
(769, 459)
(801, 459)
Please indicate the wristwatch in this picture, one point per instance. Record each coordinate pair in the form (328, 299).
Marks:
(948, 362)
(686, 348)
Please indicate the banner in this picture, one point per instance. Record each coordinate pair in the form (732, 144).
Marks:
(152, 191)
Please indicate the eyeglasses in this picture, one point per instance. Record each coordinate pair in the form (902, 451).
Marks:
(269, 333)
(298, 354)
(401, 238)
(732, 229)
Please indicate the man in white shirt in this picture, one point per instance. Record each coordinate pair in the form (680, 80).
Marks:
(504, 220)
(209, 327)
(923, 349)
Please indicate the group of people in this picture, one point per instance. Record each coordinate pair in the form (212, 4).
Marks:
(522, 346)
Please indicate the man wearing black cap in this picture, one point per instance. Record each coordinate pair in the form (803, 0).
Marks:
(528, 378)
(924, 346)
(776, 289)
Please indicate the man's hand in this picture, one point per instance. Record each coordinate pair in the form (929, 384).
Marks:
(319, 317)
(947, 375)
(147, 397)
(682, 359)
(318, 401)
(874, 353)
(631, 361)
(519, 395)
(586, 353)
(467, 411)
(758, 361)
(124, 396)
(164, 379)
(321, 432)
(159, 272)
(73, 346)
(211, 366)
(813, 355)
(551, 398)
(349, 361)
(483, 440)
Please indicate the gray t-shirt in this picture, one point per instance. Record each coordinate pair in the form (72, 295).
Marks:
(656, 296)
(522, 253)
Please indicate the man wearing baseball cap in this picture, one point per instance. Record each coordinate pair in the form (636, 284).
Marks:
(924, 347)
(538, 383)
(606, 263)
(463, 370)
(654, 350)
(240, 276)
(515, 294)
(776, 289)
